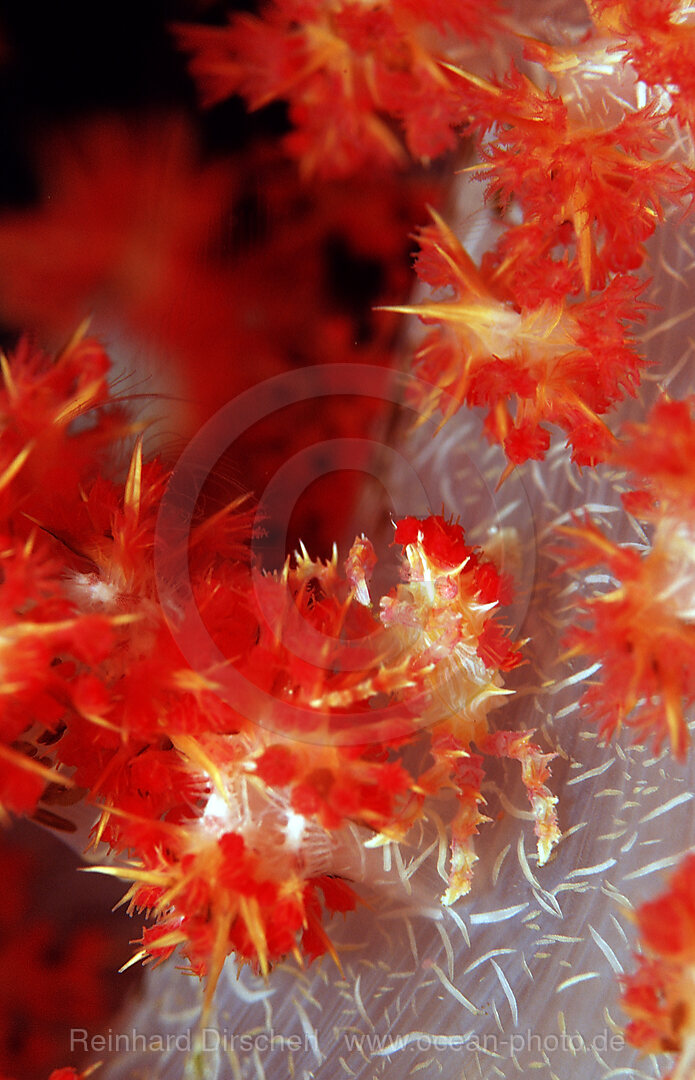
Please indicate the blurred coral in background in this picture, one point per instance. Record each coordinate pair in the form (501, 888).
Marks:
(58, 962)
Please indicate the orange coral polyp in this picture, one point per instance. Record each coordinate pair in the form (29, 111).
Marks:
(642, 631)
(658, 995)
(364, 81)
(488, 347)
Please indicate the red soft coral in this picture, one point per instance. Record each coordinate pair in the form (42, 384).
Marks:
(641, 631)
(353, 74)
(659, 40)
(658, 994)
(562, 362)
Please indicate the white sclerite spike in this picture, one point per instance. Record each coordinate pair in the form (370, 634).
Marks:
(295, 830)
(91, 592)
(358, 569)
